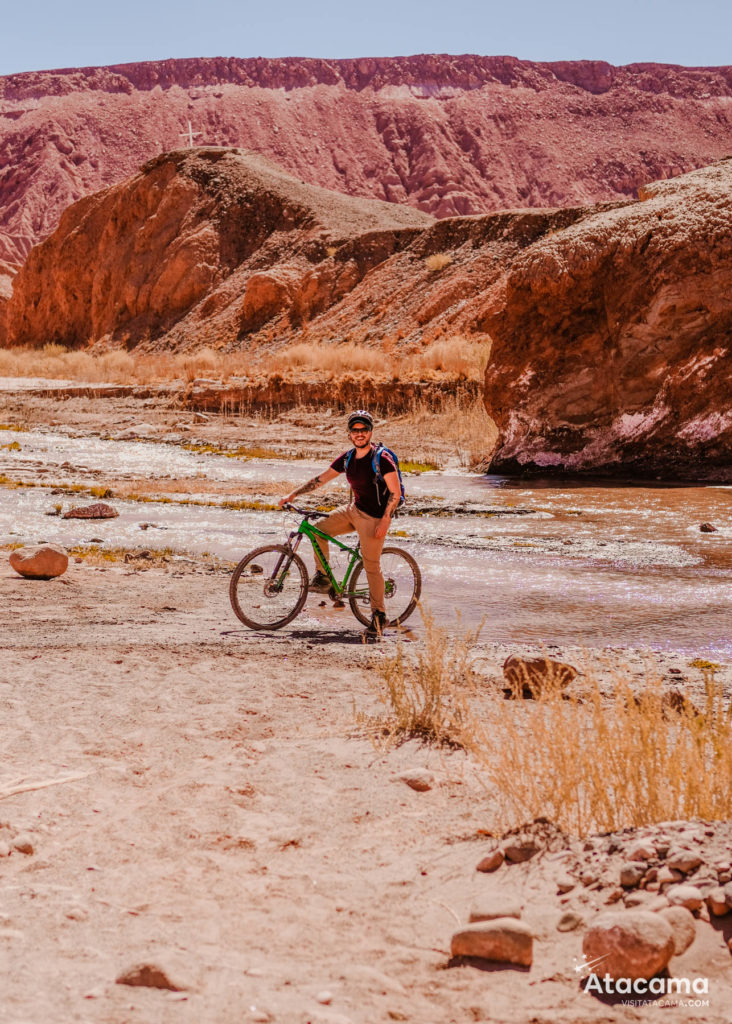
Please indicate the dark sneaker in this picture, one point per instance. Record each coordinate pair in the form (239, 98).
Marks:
(376, 627)
(319, 584)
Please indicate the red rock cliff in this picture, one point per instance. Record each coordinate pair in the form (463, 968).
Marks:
(612, 340)
(448, 135)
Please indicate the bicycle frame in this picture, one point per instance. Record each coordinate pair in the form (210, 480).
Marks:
(311, 532)
(306, 529)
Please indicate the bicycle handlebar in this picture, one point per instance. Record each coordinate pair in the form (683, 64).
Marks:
(308, 514)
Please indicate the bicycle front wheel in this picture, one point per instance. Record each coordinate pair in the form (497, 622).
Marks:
(402, 587)
(269, 587)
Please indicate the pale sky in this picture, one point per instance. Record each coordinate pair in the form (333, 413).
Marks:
(44, 34)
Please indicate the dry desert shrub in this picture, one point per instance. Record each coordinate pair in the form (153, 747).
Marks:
(438, 261)
(595, 762)
(429, 696)
(334, 358)
(462, 422)
(118, 366)
(457, 356)
(600, 763)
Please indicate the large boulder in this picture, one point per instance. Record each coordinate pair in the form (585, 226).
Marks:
(44, 562)
(630, 944)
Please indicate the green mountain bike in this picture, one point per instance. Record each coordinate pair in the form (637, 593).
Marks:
(269, 586)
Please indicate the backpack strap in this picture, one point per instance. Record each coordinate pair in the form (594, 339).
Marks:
(347, 461)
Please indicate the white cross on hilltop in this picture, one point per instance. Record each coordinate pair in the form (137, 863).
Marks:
(189, 135)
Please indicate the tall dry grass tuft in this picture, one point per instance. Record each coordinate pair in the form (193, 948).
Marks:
(117, 366)
(591, 762)
(599, 763)
(457, 356)
(429, 697)
(336, 358)
(463, 423)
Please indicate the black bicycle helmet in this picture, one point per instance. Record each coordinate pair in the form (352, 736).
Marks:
(361, 416)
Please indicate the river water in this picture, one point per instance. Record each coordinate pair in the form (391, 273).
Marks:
(558, 562)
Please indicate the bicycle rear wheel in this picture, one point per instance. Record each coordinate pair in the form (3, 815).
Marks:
(403, 585)
(269, 587)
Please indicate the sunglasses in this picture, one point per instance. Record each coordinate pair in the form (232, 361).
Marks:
(360, 430)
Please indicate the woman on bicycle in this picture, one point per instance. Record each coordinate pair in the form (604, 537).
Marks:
(375, 499)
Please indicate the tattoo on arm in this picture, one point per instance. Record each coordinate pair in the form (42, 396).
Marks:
(311, 485)
(392, 504)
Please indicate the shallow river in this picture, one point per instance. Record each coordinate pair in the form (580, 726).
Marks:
(586, 563)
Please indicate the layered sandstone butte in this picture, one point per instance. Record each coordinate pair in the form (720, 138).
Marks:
(610, 324)
(612, 340)
(447, 135)
(201, 247)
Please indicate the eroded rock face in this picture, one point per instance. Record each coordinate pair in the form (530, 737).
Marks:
(226, 234)
(612, 340)
(448, 135)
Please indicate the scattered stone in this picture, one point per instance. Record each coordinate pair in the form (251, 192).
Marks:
(519, 848)
(505, 940)
(565, 883)
(536, 677)
(200, 417)
(570, 920)
(668, 875)
(325, 997)
(728, 893)
(632, 943)
(148, 976)
(631, 874)
(708, 528)
(100, 510)
(683, 927)
(5, 850)
(44, 562)
(677, 702)
(417, 778)
(77, 914)
(645, 900)
(491, 862)
(685, 896)
(683, 860)
(491, 905)
(23, 844)
(641, 851)
(662, 844)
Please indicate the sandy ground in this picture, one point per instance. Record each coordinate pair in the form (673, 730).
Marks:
(231, 825)
(219, 812)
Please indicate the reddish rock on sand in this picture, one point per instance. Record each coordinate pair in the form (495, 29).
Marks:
(683, 927)
(535, 677)
(40, 563)
(100, 510)
(630, 944)
(504, 939)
